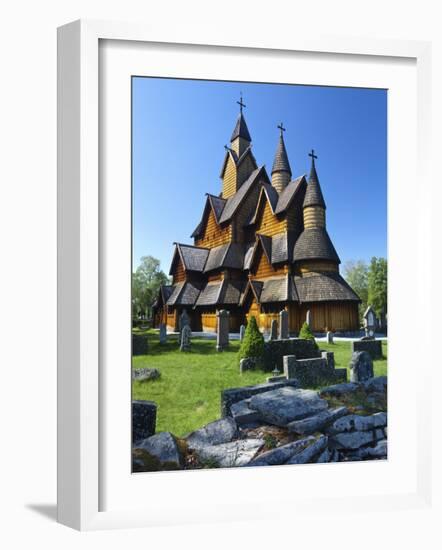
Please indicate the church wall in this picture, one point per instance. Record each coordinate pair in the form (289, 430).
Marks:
(314, 216)
(229, 179)
(333, 316)
(265, 269)
(214, 235)
(269, 224)
(306, 267)
(179, 273)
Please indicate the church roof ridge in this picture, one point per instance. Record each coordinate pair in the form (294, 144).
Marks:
(313, 195)
(281, 161)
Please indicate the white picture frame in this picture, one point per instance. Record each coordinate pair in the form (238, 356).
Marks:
(80, 294)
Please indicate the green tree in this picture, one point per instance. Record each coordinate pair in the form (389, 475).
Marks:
(253, 342)
(146, 282)
(377, 284)
(356, 275)
(306, 333)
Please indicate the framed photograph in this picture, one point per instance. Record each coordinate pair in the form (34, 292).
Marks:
(234, 221)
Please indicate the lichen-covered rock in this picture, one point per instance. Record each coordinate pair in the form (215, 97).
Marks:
(144, 374)
(376, 385)
(351, 440)
(339, 390)
(282, 454)
(228, 455)
(163, 450)
(215, 433)
(144, 416)
(283, 405)
(361, 366)
(242, 413)
(357, 422)
(317, 422)
(310, 452)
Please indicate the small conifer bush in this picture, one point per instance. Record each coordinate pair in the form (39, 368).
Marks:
(253, 342)
(306, 333)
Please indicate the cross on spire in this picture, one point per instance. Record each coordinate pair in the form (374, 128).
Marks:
(312, 154)
(240, 103)
(281, 128)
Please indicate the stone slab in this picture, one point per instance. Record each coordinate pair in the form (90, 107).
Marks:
(317, 422)
(373, 347)
(232, 454)
(214, 433)
(280, 455)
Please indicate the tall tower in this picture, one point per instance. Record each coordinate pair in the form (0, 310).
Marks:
(240, 139)
(239, 161)
(314, 204)
(281, 171)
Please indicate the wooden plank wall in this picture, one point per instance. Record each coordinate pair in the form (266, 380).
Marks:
(334, 316)
(268, 223)
(214, 235)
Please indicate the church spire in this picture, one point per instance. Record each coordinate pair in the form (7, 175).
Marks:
(281, 171)
(240, 138)
(314, 204)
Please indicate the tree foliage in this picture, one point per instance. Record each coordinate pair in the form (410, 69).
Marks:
(146, 282)
(377, 284)
(306, 332)
(369, 282)
(253, 342)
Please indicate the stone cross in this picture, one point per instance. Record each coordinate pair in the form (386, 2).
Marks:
(186, 335)
(163, 333)
(184, 320)
(242, 330)
(283, 325)
(222, 329)
(308, 318)
(274, 330)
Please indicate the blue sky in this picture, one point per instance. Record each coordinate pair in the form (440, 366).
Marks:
(179, 131)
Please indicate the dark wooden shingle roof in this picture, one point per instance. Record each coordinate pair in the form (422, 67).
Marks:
(241, 129)
(324, 287)
(314, 244)
(193, 257)
(289, 193)
(281, 161)
(313, 195)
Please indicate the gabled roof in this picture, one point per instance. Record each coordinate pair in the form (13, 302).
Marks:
(282, 247)
(266, 243)
(185, 294)
(288, 194)
(175, 294)
(315, 244)
(235, 200)
(226, 255)
(324, 287)
(278, 289)
(218, 293)
(248, 255)
(268, 193)
(193, 257)
(216, 205)
(230, 153)
(166, 292)
(313, 195)
(241, 129)
(281, 161)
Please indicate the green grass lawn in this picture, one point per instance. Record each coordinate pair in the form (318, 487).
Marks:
(188, 392)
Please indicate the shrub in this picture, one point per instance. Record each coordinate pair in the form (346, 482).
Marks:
(306, 333)
(253, 342)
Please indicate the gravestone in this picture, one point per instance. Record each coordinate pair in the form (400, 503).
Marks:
(361, 367)
(370, 322)
(283, 324)
(144, 417)
(274, 330)
(329, 337)
(163, 333)
(184, 320)
(186, 335)
(140, 344)
(242, 330)
(222, 330)
(308, 318)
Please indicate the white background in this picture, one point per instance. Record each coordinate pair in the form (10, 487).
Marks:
(28, 275)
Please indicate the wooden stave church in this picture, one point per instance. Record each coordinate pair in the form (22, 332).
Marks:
(261, 246)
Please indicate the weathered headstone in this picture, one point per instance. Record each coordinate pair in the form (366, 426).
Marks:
(184, 320)
(283, 324)
(370, 322)
(222, 331)
(274, 330)
(361, 366)
(308, 318)
(163, 333)
(186, 335)
(140, 344)
(242, 331)
(329, 337)
(247, 363)
(144, 416)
